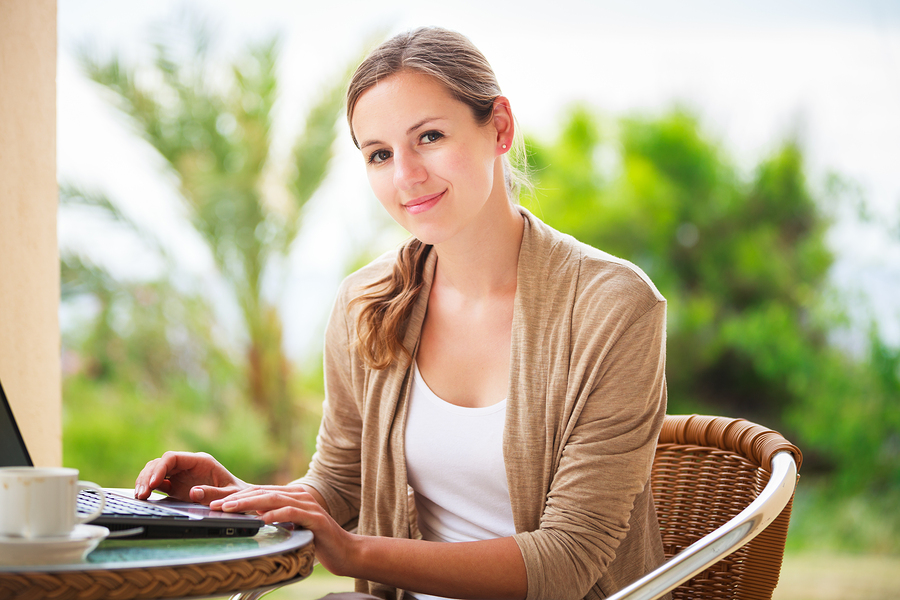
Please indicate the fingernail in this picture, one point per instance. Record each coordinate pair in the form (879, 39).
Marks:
(139, 491)
(197, 493)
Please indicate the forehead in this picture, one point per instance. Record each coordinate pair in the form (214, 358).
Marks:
(401, 99)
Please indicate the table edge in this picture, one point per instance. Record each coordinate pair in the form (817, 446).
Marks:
(298, 538)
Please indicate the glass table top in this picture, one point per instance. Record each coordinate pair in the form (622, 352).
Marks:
(144, 553)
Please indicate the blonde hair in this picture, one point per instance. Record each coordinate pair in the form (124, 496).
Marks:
(451, 59)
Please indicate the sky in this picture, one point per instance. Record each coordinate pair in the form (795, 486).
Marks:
(827, 72)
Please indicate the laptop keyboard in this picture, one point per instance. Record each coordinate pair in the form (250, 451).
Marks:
(118, 505)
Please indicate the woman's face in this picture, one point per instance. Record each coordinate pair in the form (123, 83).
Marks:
(431, 165)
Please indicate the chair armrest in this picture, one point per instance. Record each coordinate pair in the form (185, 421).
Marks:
(731, 536)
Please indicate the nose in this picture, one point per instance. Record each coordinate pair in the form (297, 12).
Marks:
(408, 169)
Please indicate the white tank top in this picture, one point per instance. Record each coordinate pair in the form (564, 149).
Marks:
(454, 463)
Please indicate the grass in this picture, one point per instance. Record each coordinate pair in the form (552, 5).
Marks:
(319, 584)
(814, 576)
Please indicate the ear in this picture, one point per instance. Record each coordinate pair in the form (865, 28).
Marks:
(504, 124)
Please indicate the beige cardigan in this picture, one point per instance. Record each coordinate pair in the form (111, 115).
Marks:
(587, 396)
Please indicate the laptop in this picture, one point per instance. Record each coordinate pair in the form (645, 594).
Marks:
(126, 516)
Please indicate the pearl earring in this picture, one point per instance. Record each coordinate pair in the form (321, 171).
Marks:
(503, 146)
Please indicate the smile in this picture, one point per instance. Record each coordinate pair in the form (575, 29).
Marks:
(423, 203)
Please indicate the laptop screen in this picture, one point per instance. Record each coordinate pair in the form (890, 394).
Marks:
(13, 452)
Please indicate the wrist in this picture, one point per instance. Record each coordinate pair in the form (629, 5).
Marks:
(353, 559)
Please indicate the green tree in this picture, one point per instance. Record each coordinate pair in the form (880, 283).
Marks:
(149, 377)
(213, 127)
(743, 262)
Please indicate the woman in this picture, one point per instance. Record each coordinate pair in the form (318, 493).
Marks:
(493, 383)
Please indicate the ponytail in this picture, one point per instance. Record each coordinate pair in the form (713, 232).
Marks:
(387, 305)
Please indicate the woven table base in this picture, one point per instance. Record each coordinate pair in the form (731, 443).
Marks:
(159, 582)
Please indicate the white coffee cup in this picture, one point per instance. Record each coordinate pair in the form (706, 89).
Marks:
(39, 502)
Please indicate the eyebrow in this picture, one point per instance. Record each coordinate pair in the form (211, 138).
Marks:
(415, 126)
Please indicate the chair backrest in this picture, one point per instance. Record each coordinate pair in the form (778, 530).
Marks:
(707, 469)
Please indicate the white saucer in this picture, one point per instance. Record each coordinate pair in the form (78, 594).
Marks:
(70, 548)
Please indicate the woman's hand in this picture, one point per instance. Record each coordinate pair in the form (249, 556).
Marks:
(484, 569)
(303, 506)
(186, 476)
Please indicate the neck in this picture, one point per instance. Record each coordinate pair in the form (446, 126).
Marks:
(485, 263)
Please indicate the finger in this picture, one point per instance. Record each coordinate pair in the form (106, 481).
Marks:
(233, 497)
(236, 494)
(206, 494)
(161, 469)
(263, 501)
(155, 475)
(253, 490)
(287, 514)
(248, 499)
(140, 483)
(147, 480)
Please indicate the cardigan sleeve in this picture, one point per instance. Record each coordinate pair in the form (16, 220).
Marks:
(604, 466)
(336, 466)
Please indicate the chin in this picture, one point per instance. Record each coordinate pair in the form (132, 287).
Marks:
(429, 236)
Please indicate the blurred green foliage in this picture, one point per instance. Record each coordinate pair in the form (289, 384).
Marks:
(744, 265)
(156, 345)
(146, 376)
(741, 264)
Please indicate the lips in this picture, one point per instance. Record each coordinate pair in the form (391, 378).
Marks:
(423, 203)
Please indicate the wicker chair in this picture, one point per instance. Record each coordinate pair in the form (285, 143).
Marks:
(723, 490)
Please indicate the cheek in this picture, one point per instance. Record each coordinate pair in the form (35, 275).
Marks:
(382, 185)
(470, 170)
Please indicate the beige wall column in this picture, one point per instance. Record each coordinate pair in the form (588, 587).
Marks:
(29, 258)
